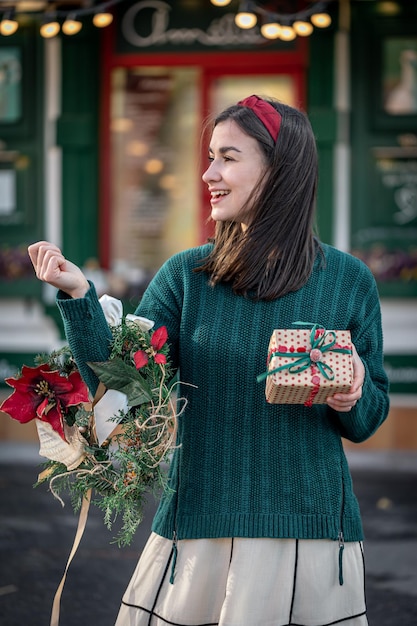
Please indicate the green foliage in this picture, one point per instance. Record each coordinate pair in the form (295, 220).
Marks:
(128, 466)
(123, 378)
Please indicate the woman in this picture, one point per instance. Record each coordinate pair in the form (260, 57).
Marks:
(262, 527)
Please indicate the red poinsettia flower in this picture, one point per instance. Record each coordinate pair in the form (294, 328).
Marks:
(141, 359)
(158, 340)
(44, 394)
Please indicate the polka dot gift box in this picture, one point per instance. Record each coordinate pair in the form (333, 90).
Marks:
(306, 366)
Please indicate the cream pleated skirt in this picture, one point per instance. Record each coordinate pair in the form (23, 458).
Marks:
(246, 582)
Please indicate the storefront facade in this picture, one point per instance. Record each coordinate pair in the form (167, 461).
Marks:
(115, 176)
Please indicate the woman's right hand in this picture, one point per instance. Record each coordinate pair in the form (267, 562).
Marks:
(52, 267)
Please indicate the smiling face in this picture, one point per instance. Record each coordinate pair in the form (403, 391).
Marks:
(236, 167)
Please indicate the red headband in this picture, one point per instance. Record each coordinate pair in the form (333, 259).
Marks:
(264, 111)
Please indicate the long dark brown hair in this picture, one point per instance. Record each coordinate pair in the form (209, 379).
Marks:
(276, 253)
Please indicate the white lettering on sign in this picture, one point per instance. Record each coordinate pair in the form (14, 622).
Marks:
(220, 32)
(402, 175)
(369, 235)
(406, 375)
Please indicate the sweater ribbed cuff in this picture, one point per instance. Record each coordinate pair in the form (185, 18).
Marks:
(78, 309)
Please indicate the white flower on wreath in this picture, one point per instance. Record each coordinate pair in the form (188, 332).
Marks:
(113, 312)
(114, 403)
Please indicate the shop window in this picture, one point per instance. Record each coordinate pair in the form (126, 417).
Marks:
(155, 208)
(154, 160)
(229, 89)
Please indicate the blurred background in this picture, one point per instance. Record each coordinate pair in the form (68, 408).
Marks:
(101, 109)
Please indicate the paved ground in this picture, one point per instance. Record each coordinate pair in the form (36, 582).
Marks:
(36, 536)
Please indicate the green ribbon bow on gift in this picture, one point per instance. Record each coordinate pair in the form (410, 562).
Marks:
(304, 360)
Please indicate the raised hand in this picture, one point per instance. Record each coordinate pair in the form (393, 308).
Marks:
(52, 267)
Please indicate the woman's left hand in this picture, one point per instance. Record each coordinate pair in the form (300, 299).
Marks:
(344, 402)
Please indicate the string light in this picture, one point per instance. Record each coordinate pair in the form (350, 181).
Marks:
(220, 3)
(271, 30)
(50, 24)
(287, 33)
(71, 26)
(321, 20)
(101, 20)
(245, 20)
(8, 24)
(302, 28)
(50, 27)
(283, 26)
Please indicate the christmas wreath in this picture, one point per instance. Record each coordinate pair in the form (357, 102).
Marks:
(113, 449)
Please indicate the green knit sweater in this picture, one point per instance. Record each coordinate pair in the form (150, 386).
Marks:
(244, 467)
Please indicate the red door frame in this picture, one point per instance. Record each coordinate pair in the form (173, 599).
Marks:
(212, 65)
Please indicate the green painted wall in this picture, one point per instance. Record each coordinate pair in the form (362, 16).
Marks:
(21, 158)
(78, 136)
(384, 147)
(323, 118)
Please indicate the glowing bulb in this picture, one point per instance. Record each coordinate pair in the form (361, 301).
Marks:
(137, 148)
(49, 29)
(287, 33)
(271, 30)
(321, 20)
(71, 26)
(154, 166)
(121, 125)
(102, 19)
(302, 28)
(8, 27)
(168, 182)
(245, 20)
(220, 3)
